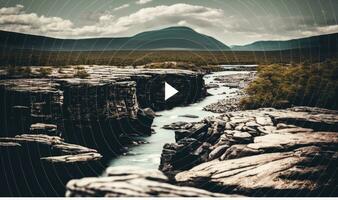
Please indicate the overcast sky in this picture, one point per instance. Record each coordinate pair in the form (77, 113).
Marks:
(230, 21)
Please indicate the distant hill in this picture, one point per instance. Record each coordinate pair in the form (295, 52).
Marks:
(172, 38)
(325, 42)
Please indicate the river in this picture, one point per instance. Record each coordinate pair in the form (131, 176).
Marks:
(148, 155)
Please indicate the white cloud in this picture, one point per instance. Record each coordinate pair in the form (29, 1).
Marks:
(121, 7)
(16, 19)
(171, 14)
(321, 30)
(143, 1)
(207, 20)
(11, 10)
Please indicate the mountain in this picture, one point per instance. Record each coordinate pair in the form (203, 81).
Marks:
(172, 38)
(327, 42)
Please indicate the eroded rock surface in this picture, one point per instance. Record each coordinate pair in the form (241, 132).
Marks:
(264, 152)
(106, 107)
(105, 110)
(306, 171)
(126, 181)
(40, 165)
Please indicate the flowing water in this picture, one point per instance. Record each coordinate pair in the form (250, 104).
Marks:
(148, 155)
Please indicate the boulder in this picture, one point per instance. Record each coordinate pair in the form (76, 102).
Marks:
(218, 151)
(264, 121)
(126, 181)
(306, 171)
(177, 126)
(238, 151)
(189, 116)
(242, 137)
(33, 159)
(254, 132)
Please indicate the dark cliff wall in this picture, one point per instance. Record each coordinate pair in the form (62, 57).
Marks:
(150, 90)
(91, 113)
(101, 112)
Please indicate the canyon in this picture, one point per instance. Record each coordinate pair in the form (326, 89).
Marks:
(100, 115)
(90, 137)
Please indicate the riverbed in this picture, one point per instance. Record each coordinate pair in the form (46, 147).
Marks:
(148, 155)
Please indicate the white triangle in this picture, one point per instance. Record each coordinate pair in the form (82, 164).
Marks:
(169, 91)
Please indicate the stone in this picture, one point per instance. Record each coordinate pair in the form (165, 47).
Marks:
(172, 154)
(40, 128)
(149, 112)
(283, 126)
(212, 85)
(239, 127)
(39, 159)
(264, 121)
(180, 134)
(252, 124)
(292, 130)
(176, 125)
(197, 131)
(318, 119)
(260, 138)
(305, 171)
(203, 151)
(64, 152)
(238, 151)
(274, 142)
(189, 116)
(224, 105)
(126, 181)
(223, 139)
(266, 129)
(218, 151)
(228, 126)
(242, 137)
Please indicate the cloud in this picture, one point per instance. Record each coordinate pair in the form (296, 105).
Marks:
(16, 19)
(171, 14)
(211, 21)
(11, 10)
(121, 7)
(143, 1)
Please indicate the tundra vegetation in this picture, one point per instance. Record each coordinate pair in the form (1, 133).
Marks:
(136, 58)
(280, 85)
(81, 73)
(45, 71)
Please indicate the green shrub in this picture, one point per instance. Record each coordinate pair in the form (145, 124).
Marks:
(45, 71)
(21, 71)
(304, 84)
(79, 68)
(81, 74)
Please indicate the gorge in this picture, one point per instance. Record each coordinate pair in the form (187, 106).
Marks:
(104, 111)
(111, 134)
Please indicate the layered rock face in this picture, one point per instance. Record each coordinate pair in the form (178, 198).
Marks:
(100, 109)
(29, 101)
(41, 165)
(264, 152)
(103, 111)
(98, 114)
(126, 181)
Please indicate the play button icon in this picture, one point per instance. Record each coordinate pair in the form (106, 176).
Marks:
(169, 91)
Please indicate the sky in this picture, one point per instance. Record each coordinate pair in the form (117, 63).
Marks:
(232, 22)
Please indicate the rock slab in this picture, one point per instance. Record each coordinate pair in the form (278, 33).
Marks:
(127, 181)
